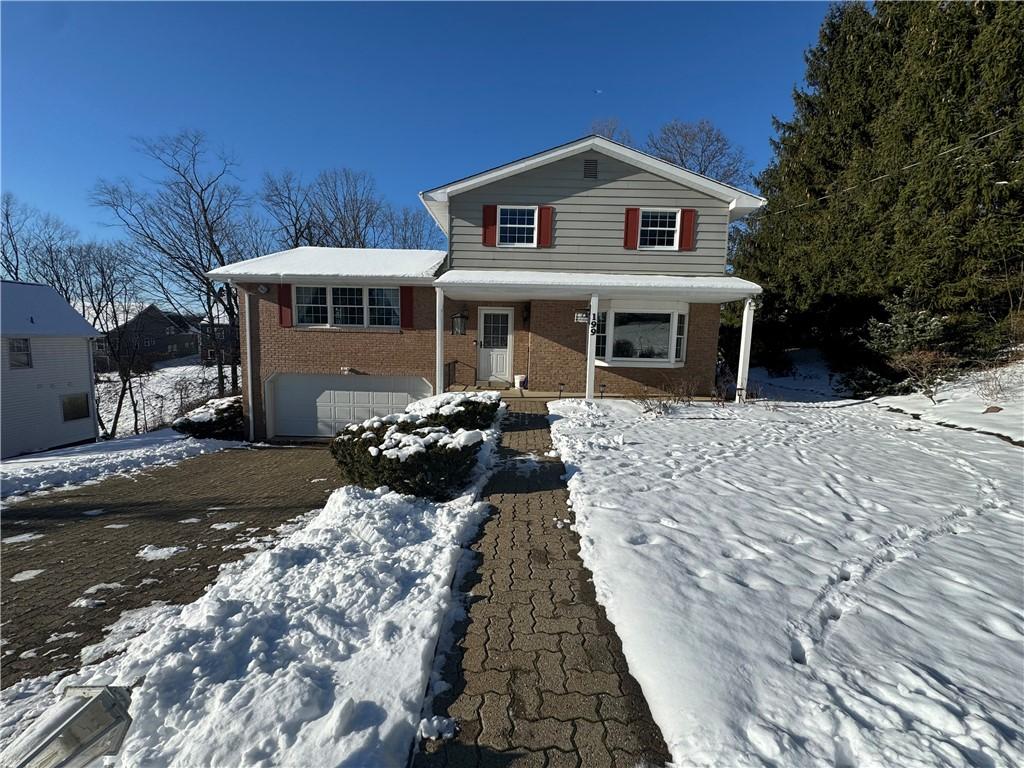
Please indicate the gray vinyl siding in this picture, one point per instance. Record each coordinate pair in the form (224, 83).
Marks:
(588, 221)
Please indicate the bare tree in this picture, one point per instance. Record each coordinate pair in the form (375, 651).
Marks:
(700, 147)
(36, 246)
(349, 211)
(412, 228)
(184, 225)
(611, 128)
(291, 207)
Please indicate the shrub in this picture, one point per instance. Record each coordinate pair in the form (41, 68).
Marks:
(220, 418)
(428, 451)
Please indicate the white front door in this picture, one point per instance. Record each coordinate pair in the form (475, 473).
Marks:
(495, 344)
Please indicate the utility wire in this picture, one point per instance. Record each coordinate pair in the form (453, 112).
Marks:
(844, 190)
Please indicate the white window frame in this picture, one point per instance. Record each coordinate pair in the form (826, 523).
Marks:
(640, 229)
(11, 353)
(536, 225)
(366, 308)
(674, 311)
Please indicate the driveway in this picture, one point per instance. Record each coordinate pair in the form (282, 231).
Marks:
(74, 565)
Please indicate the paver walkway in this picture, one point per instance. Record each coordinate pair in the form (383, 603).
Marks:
(91, 536)
(538, 677)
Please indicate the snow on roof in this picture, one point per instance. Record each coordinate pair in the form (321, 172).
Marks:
(740, 201)
(466, 283)
(334, 263)
(32, 309)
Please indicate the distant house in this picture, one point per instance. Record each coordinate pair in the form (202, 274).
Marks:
(46, 393)
(151, 336)
(222, 337)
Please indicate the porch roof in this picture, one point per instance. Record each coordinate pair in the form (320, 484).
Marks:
(525, 285)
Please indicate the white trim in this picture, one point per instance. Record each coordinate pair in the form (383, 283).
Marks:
(619, 308)
(497, 226)
(511, 312)
(248, 368)
(740, 202)
(743, 369)
(365, 289)
(637, 363)
(438, 340)
(592, 344)
(640, 229)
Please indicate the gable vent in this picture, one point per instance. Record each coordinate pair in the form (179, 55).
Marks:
(590, 169)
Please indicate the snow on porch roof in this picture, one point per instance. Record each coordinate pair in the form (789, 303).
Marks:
(32, 309)
(523, 285)
(309, 263)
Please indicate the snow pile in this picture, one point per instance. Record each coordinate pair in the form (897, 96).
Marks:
(990, 401)
(211, 409)
(806, 585)
(151, 552)
(450, 403)
(316, 651)
(162, 395)
(90, 463)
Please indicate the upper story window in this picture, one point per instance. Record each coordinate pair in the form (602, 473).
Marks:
(20, 353)
(517, 226)
(348, 306)
(659, 229)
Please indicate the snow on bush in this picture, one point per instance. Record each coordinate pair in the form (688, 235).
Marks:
(220, 417)
(428, 452)
(314, 652)
(807, 585)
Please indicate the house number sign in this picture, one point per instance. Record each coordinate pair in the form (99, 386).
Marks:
(582, 317)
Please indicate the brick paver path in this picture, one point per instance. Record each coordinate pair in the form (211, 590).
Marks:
(259, 488)
(538, 677)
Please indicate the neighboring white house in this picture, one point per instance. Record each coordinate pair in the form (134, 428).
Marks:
(46, 378)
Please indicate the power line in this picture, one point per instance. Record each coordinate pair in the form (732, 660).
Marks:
(947, 151)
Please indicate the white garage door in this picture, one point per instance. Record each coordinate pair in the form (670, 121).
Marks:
(308, 406)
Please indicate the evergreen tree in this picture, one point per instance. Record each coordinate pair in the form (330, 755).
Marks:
(916, 85)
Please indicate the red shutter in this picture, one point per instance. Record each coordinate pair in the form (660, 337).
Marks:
(545, 216)
(631, 232)
(284, 303)
(405, 294)
(687, 229)
(490, 230)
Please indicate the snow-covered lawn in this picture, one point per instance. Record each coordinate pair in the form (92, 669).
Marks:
(808, 585)
(161, 395)
(315, 651)
(93, 462)
(987, 401)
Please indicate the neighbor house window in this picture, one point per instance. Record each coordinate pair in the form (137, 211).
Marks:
(20, 353)
(311, 305)
(601, 337)
(517, 227)
(75, 406)
(680, 337)
(348, 306)
(659, 229)
(148, 342)
(383, 304)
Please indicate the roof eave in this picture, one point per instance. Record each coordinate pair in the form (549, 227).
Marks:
(277, 279)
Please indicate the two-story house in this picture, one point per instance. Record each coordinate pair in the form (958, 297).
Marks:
(150, 336)
(589, 267)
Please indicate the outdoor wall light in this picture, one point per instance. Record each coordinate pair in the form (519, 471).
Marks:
(263, 289)
(459, 323)
(602, 386)
(561, 388)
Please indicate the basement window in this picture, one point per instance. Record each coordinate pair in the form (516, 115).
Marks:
(75, 407)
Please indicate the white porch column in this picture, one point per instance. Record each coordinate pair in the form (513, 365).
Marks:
(439, 342)
(743, 370)
(591, 346)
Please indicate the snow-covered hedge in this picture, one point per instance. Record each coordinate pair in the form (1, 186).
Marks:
(428, 451)
(220, 417)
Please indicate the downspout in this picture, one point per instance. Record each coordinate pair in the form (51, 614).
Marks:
(92, 388)
(248, 364)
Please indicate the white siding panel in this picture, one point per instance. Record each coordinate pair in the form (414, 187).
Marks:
(30, 398)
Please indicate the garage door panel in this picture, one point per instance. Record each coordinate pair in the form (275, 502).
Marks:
(310, 406)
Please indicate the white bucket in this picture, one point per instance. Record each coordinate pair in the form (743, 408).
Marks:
(519, 380)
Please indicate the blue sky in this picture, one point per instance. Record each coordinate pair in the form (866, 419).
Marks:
(418, 94)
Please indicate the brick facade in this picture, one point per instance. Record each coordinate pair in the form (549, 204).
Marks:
(548, 346)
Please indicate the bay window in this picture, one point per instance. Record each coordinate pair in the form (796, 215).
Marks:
(347, 307)
(640, 337)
